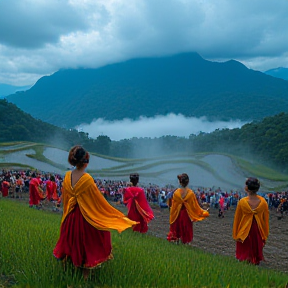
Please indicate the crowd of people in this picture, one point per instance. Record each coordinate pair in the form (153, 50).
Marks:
(39, 186)
(88, 217)
(13, 183)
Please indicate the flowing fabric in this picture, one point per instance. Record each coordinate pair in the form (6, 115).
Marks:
(87, 218)
(138, 208)
(35, 193)
(93, 206)
(86, 246)
(251, 249)
(251, 230)
(183, 212)
(244, 216)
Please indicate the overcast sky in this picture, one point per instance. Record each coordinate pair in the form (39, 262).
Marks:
(39, 37)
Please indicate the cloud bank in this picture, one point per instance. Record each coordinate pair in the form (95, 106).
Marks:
(174, 125)
(39, 37)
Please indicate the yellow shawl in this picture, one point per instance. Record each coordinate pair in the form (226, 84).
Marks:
(195, 212)
(244, 216)
(93, 206)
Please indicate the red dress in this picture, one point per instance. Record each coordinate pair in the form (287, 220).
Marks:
(182, 228)
(251, 249)
(138, 207)
(86, 246)
(250, 230)
(183, 212)
(87, 219)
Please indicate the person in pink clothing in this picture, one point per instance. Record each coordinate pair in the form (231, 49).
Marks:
(138, 207)
(221, 207)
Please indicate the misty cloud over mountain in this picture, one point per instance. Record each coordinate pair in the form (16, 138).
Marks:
(153, 127)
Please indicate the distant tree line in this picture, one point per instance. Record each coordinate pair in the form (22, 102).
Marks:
(265, 141)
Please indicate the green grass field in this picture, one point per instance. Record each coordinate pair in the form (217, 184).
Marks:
(28, 236)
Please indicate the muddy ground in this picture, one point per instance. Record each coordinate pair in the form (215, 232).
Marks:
(215, 235)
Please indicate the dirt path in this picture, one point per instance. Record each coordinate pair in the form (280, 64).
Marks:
(214, 235)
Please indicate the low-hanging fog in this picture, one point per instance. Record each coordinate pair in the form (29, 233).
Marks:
(171, 124)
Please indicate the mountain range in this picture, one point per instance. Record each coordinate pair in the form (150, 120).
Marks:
(279, 72)
(6, 89)
(182, 84)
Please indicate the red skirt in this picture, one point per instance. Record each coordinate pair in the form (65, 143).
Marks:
(251, 249)
(182, 228)
(85, 245)
(5, 191)
(134, 215)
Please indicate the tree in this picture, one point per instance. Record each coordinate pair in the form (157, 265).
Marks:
(102, 145)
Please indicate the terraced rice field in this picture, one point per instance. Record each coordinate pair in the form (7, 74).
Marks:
(204, 170)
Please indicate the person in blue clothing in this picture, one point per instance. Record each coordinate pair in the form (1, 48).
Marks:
(162, 200)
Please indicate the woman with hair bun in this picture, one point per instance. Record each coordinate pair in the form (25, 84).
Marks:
(138, 207)
(251, 224)
(87, 219)
(184, 211)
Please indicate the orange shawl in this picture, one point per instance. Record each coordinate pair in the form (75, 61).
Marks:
(244, 216)
(195, 212)
(93, 206)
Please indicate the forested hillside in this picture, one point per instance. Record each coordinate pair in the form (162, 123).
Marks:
(184, 83)
(265, 141)
(16, 125)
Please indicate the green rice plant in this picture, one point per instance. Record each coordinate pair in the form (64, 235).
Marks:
(28, 237)
(4, 144)
(260, 170)
(12, 166)
(17, 146)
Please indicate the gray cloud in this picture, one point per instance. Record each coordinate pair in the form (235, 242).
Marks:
(40, 37)
(32, 24)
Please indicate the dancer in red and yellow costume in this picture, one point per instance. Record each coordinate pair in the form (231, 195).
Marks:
(251, 224)
(87, 219)
(138, 207)
(184, 211)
